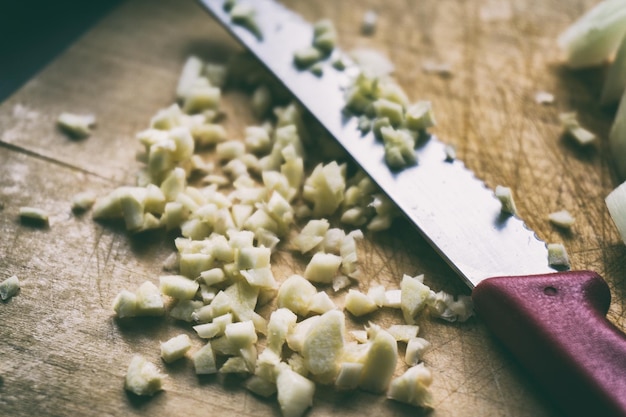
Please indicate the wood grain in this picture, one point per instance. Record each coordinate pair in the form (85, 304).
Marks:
(62, 353)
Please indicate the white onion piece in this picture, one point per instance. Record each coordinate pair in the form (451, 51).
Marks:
(615, 82)
(617, 138)
(594, 37)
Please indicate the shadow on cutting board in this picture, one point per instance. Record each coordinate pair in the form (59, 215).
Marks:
(34, 32)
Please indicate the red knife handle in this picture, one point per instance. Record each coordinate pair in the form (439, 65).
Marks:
(556, 326)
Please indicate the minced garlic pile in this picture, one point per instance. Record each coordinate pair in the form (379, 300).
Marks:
(255, 199)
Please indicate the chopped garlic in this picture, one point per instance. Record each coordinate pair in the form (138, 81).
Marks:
(241, 334)
(76, 125)
(311, 235)
(349, 375)
(216, 74)
(204, 360)
(543, 97)
(322, 268)
(403, 332)
(368, 24)
(372, 62)
(83, 201)
(561, 218)
(192, 69)
(505, 196)
(175, 348)
(390, 110)
(208, 134)
(446, 307)
(570, 124)
(557, 256)
(178, 286)
(380, 360)
(216, 328)
(296, 294)
(9, 287)
(125, 304)
(322, 347)
(415, 349)
(143, 377)
(359, 304)
(419, 116)
(245, 15)
(307, 56)
(201, 97)
(324, 35)
(184, 309)
(321, 303)
(34, 215)
(295, 392)
(260, 386)
(399, 147)
(443, 69)
(393, 299)
(149, 301)
(340, 282)
(280, 324)
(412, 387)
(414, 295)
(317, 69)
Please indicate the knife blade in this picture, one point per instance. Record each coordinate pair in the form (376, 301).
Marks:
(553, 322)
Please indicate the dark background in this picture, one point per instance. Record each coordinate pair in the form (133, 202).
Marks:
(33, 32)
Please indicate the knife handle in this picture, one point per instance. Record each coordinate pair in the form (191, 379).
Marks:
(556, 326)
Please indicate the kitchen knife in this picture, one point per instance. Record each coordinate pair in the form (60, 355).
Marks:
(553, 322)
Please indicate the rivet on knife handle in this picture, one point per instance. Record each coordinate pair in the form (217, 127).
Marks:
(555, 325)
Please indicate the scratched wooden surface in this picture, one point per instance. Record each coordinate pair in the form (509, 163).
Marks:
(62, 353)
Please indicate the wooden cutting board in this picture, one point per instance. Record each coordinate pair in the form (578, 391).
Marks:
(62, 352)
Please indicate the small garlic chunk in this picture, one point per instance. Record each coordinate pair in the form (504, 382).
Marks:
(143, 377)
(245, 15)
(380, 360)
(543, 97)
(359, 304)
(570, 124)
(149, 301)
(322, 347)
(83, 201)
(505, 195)
(413, 297)
(76, 125)
(295, 392)
(175, 348)
(403, 332)
(125, 304)
(323, 267)
(9, 287)
(296, 294)
(419, 116)
(368, 24)
(34, 215)
(415, 349)
(557, 256)
(204, 360)
(178, 286)
(561, 218)
(412, 387)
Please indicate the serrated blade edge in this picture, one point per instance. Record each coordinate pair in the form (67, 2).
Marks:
(454, 211)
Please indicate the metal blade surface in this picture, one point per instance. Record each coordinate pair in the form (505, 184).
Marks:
(454, 211)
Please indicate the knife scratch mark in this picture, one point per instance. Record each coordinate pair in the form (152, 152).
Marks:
(51, 160)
